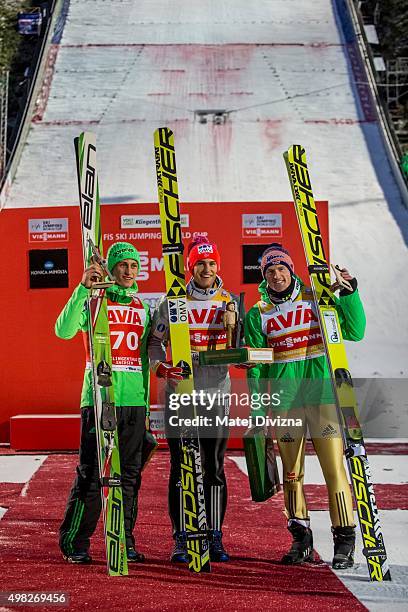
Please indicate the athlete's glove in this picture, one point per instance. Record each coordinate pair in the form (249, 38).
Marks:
(346, 288)
(171, 373)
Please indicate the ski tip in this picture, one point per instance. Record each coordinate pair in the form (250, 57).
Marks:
(294, 147)
(164, 138)
(167, 131)
(296, 154)
(85, 137)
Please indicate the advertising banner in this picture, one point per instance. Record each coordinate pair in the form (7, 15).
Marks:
(47, 230)
(48, 268)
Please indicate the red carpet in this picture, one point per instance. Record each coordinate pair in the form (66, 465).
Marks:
(255, 536)
(388, 497)
(9, 493)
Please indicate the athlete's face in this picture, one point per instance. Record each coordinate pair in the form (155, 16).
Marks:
(278, 277)
(205, 273)
(125, 272)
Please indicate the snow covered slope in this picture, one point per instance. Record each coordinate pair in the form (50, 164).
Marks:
(279, 69)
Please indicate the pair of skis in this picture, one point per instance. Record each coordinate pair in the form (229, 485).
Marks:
(354, 446)
(101, 360)
(192, 487)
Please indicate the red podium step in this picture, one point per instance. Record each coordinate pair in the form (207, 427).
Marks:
(45, 432)
(51, 432)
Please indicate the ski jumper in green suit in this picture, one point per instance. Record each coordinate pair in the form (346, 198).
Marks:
(129, 323)
(300, 375)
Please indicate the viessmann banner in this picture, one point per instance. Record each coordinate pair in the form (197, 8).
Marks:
(48, 230)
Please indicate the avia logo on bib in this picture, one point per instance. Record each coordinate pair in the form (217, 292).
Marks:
(202, 316)
(293, 331)
(300, 317)
(118, 315)
(206, 325)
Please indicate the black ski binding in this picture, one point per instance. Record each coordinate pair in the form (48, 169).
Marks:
(108, 417)
(355, 450)
(104, 373)
(111, 481)
(343, 376)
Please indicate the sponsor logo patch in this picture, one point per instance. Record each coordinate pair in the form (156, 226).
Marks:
(287, 438)
(332, 330)
(329, 431)
(205, 248)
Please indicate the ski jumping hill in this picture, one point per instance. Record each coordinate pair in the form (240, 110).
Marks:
(268, 74)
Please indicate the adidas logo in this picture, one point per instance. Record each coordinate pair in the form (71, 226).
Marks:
(329, 431)
(286, 437)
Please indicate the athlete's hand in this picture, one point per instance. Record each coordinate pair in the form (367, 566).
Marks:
(344, 274)
(93, 274)
(171, 373)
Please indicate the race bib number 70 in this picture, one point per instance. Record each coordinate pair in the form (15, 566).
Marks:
(126, 324)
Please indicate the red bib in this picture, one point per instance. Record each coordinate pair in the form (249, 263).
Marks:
(292, 328)
(206, 322)
(126, 327)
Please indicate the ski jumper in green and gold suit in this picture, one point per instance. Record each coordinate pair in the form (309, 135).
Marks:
(286, 319)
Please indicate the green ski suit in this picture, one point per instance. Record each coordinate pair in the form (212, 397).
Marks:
(301, 377)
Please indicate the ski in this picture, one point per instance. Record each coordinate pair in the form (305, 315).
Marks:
(348, 415)
(172, 243)
(100, 352)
